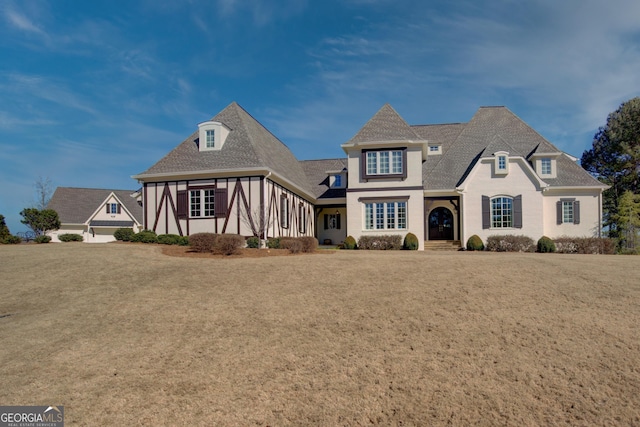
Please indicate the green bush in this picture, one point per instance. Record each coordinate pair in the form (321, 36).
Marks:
(124, 234)
(42, 239)
(546, 245)
(70, 237)
(145, 236)
(171, 239)
(309, 244)
(293, 244)
(475, 243)
(510, 243)
(273, 243)
(350, 243)
(253, 242)
(228, 244)
(382, 243)
(411, 242)
(202, 242)
(11, 240)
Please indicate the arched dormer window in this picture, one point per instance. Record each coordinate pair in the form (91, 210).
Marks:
(211, 135)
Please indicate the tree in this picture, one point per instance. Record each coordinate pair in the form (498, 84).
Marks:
(614, 159)
(40, 221)
(628, 221)
(44, 190)
(4, 230)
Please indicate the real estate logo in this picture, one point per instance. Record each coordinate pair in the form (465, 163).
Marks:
(31, 416)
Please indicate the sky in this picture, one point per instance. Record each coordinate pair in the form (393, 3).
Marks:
(93, 92)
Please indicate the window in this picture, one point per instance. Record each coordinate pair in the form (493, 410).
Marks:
(568, 211)
(434, 148)
(284, 212)
(202, 203)
(384, 162)
(502, 163)
(501, 212)
(332, 221)
(211, 138)
(337, 180)
(385, 216)
(545, 166)
(113, 208)
(302, 219)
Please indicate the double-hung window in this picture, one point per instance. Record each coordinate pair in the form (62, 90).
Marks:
(545, 166)
(569, 211)
(211, 138)
(386, 162)
(385, 216)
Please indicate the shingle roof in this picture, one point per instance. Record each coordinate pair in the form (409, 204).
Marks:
(385, 125)
(495, 129)
(248, 145)
(76, 205)
(316, 171)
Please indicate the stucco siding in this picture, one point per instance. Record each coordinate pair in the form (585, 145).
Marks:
(590, 219)
(413, 166)
(336, 235)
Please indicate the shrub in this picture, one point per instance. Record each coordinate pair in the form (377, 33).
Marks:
(145, 236)
(124, 234)
(228, 244)
(273, 243)
(11, 240)
(383, 243)
(42, 239)
(510, 243)
(475, 243)
(411, 242)
(253, 242)
(546, 245)
(169, 239)
(350, 243)
(183, 241)
(584, 245)
(202, 242)
(69, 237)
(309, 244)
(294, 245)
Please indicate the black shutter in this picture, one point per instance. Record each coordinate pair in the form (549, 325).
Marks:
(326, 221)
(363, 165)
(486, 212)
(576, 212)
(559, 213)
(220, 202)
(119, 208)
(338, 221)
(183, 201)
(107, 205)
(517, 211)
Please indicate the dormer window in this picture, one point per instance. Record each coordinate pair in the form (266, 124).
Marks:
(545, 164)
(211, 136)
(337, 181)
(501, 163)
(434, 149)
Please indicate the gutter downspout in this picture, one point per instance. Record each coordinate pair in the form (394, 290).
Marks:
(265, 207)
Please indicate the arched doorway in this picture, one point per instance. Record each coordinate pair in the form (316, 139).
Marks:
(440, 224)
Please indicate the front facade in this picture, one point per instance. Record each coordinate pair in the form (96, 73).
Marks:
(492, 175)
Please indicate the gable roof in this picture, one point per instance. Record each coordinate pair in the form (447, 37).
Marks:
(385, 125)
(77, 205)
(249, 145)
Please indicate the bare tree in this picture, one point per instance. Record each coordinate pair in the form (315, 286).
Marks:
(257, 220)
(44, 191)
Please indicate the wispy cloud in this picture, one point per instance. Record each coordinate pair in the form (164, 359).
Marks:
(21, 21)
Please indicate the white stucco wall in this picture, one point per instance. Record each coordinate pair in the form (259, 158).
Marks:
(590, 213)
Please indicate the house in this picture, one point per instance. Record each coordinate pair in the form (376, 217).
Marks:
(95, 213)
(491, 175)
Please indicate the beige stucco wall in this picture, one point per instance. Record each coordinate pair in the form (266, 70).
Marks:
(414, 171)
(519, 181)
(590, 211)
(336, 236)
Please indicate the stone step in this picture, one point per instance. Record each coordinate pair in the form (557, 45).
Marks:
(442, 245)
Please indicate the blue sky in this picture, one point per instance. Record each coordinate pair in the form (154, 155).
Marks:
(92, 92)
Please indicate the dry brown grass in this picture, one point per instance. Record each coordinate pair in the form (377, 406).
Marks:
(123, 335)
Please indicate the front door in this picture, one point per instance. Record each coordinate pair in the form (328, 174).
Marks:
(440, 224)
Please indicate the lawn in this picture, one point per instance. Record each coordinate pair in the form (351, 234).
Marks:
(124, 335)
